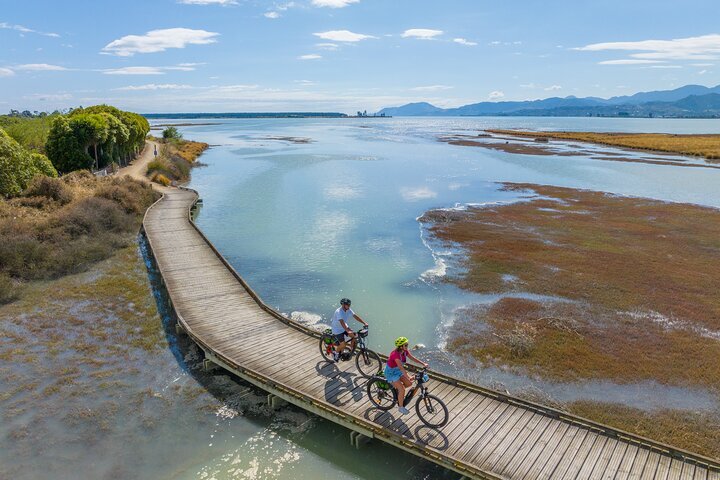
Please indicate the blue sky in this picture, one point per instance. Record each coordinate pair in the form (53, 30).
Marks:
(346, 55)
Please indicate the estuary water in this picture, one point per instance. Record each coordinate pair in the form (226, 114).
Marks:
(308, 211)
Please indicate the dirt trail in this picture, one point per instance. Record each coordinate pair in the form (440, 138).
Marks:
(138, 167)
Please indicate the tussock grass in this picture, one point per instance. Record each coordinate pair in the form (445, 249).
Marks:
(641, 274)
(707, 146)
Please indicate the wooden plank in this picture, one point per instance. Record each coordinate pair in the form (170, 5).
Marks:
(651, 466)
(688, 471)
(546, 426)
(511, 446)
(572, 450)
(638, 464)
(486, 461)
(611, 447)
(663, 468)
(514, 424)
(557, 455)
(700, 473)
(546, 453)
(571, 466)
(676, 467)
(520, 445)
(536, 461)
(592, 458)
(473, 435)
(622, 451)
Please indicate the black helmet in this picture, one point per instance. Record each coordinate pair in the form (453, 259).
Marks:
(345, 301)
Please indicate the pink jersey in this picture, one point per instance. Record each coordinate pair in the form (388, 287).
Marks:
(396, 356)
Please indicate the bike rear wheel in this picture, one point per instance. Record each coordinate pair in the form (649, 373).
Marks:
(382, 398)
(432, 411)
(326, 349)
(368, 363)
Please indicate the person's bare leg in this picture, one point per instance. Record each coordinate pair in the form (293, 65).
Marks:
(400, 387)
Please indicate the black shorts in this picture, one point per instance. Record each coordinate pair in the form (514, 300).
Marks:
(339, 338)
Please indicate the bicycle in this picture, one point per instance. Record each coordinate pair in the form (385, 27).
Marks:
(430, 409)
(367, 362)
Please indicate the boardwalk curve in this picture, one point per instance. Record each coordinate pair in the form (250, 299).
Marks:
(489, 435)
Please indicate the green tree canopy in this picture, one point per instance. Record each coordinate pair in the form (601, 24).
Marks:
(18, 166)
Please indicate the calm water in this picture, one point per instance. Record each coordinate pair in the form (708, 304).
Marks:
(308, 223)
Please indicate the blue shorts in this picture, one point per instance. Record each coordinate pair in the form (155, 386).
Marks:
(392, 375)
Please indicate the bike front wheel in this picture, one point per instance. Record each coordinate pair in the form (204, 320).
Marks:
(368, 363)
(432, 411)
(381, 393)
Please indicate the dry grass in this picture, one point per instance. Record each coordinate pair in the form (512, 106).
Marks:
(642, 276)
(694, 431)
(707, 146)
(65, 225)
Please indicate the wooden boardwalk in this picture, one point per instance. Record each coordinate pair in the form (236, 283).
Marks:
(489, 435)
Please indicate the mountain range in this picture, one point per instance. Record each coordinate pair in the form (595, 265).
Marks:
(695, 101)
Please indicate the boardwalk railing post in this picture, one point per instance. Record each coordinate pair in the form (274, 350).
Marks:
(208, 365)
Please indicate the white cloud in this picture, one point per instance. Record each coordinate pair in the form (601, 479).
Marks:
(40, 67)
(665, 66)
(463, 41)
(342, 36)
(415, 194)
(311, 56)
(22, 29)
(496, 94)
(553, 88)
(134, 71)
(421, 33)
(328, 46)
(272, 15)
(158, 41)
(154, 86)
(48, 97)
(431, 88)
(495, 43)
(333, 3)
(528, 85)
(702, 64)
(702, 72)
(6, 72)
(628, 61)
(692, 48)
(208, 2)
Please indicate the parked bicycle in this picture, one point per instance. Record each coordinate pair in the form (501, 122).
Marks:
(430, 409)
(368, 362)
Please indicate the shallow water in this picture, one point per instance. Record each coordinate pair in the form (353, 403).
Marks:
(306, 224)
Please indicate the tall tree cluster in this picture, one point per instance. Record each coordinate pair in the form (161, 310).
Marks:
(94, 137)
(18, 166)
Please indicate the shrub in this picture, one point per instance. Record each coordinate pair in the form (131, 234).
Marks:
(43, 165)
(132, 196)
(171, 133)
(9, 290)
(162, 180)
(92, 216)
(78, 177)
(52, 188)
(23, 256)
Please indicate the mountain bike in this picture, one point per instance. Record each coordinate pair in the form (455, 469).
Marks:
(367, 362)
(430, 409)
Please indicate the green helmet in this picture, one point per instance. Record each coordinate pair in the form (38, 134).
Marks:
(401, 341)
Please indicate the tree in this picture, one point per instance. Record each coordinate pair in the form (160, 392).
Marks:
(171, 133)
(63, 148)
(18, 166)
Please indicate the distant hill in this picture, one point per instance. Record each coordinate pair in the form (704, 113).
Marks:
(687, 101)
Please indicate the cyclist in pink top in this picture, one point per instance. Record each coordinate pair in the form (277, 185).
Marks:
(395, 372)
